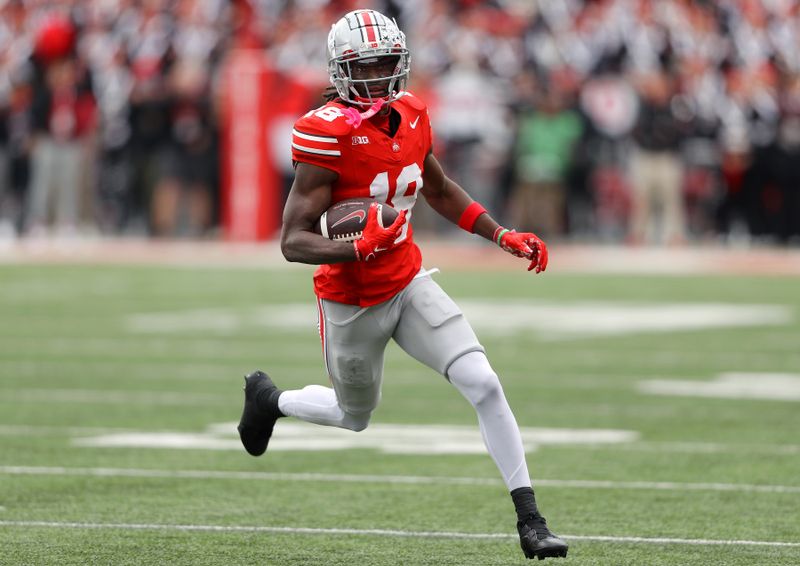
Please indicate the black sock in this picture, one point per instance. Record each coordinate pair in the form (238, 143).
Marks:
(524, 502)
(268, 401)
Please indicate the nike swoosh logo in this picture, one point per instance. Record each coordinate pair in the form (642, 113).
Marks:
(360, 214)
(414, 123)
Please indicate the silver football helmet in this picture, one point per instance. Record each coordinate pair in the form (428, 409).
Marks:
(364, 37)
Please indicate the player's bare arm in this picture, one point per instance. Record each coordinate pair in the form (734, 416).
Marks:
(450, 200)
(308, 198)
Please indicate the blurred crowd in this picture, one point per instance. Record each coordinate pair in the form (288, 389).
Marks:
(644, 121)
(108, 123)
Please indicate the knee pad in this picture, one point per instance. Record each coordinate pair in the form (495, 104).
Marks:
(358, 388)
(474, 377)
(354, 371)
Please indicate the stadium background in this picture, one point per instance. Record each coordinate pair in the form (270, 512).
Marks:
(144, 112)
(653, 368)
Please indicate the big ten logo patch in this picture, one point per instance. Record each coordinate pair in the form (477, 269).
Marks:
(360, 140)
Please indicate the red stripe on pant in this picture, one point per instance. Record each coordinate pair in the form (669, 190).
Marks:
(321, 326)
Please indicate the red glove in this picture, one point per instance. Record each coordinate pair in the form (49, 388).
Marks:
(524, 244)
(375, 239)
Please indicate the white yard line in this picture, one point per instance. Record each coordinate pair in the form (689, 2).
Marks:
(309, 365)
(547, 320)
(675, 447)
(638, 446)
(116, 397)
(699, 448)
(382, 532)
(60, 431)
(384, 479)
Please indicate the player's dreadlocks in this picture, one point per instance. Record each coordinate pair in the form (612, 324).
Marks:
(330, 94)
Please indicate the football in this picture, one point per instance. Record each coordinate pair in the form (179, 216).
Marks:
(345, 220)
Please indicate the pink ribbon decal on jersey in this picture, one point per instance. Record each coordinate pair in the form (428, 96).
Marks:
(354, 118)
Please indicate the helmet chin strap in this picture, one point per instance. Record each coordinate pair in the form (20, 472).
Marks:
(354, 118)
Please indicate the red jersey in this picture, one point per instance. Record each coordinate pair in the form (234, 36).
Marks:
(369, 163)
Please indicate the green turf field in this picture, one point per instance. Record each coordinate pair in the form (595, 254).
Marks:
(662, 416)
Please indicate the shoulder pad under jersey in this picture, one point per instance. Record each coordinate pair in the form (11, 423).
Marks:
(409, 99)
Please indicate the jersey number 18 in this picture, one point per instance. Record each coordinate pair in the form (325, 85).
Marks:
(400, 194)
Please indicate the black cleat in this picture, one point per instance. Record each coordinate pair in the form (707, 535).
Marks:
(537, 541)
(260, 412)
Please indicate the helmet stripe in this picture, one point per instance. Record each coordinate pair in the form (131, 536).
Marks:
(370, 26)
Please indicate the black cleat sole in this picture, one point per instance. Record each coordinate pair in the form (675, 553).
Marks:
(552, 553)
(546, 553)
(550, 547)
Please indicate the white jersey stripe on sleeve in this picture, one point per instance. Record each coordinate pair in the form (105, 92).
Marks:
(317, 151)
(308, 137)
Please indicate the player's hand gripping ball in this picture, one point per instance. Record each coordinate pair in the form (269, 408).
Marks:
(375, 239)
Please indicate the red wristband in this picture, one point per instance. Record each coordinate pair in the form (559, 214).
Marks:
(470, 216)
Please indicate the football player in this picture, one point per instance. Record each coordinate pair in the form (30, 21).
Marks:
(373, 139)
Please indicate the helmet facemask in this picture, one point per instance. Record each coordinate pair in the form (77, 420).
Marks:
(366, 91)
(361, 39)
